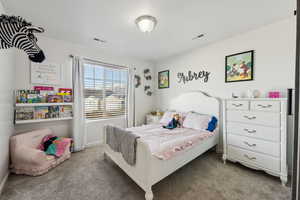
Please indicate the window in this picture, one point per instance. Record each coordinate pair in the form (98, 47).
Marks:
(105, 91)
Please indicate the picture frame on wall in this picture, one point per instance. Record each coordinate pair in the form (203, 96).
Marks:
(239, 67)
(45, 73)
(163, 79)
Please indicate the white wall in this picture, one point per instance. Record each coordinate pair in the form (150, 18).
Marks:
(274, 64)
(7, 68)
(58, 52)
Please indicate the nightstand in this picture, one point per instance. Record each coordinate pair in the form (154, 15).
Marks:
(152, 119)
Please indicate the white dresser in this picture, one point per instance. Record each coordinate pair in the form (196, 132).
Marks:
(255, 134)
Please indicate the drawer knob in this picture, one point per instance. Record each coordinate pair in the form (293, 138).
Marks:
(250, 145)
(249, 158)
(249, 117)
(250, 131)
(237, 105)
(264, 106)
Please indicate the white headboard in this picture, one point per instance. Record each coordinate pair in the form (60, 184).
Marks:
(196, 101)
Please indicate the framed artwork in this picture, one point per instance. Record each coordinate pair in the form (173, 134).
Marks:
(45, 74)
(239, 67)
(163, 79)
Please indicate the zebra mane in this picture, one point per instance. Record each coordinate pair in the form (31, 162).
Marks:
(13, 19)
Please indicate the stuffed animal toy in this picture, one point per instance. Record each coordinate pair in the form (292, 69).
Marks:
(17, 32)
(174, 123)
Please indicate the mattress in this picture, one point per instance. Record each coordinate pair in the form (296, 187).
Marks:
(165, 143)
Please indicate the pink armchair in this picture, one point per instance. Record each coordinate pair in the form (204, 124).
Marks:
(27, 159)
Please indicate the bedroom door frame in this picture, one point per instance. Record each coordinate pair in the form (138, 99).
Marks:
(296, 157)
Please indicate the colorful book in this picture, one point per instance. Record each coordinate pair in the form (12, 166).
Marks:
(41, 112)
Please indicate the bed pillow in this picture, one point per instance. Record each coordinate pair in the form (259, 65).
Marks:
(200, 122)
(167, 117)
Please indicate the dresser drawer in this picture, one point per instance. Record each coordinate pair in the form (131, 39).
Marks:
(261, 146)
(255, 131)
(237, 105)
(261, 118)
(271, 106)
(254, 158)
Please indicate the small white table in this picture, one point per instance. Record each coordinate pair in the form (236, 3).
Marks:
(152, 119)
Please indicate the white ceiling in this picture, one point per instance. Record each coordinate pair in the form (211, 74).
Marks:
(179, 21)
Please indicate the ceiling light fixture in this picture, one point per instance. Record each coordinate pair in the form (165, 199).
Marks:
(146, 23)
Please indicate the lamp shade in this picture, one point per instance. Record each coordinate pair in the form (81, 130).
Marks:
(146, 23)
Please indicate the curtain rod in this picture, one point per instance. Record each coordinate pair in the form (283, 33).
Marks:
(100, 62)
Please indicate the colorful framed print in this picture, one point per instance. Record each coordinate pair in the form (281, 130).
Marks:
(239, 67)
(163, 79)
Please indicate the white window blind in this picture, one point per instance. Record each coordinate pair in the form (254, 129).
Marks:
(105, 91)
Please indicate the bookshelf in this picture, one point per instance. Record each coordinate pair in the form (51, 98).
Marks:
(42, 120)
(42, 104)
(37, 105)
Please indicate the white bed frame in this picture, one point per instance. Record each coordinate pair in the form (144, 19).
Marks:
(148, 169)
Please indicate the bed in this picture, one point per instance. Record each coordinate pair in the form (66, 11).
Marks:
(149, 169)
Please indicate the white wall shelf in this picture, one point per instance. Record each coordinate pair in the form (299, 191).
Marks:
(42, 104)
(42, 120)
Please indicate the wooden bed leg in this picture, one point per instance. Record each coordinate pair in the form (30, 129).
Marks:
(149, 194)
(105, 156)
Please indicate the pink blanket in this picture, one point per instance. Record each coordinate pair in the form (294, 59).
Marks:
(59, 145)
(164, 143)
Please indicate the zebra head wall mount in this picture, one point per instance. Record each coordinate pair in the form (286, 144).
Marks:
(17, 32)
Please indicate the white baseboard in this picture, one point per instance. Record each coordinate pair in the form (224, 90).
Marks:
(2, 184)
(92, 144)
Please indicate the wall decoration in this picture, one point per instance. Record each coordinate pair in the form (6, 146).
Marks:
(147, 90)
(137, 81)
(239, 67)
(190, 76)
(17, 32)
(147, 74)
(148, 78)
(45, 74)
(163, 79)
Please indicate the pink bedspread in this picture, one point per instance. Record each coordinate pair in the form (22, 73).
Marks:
(164, 143)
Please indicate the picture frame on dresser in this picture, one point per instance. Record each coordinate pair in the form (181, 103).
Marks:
(255, 134)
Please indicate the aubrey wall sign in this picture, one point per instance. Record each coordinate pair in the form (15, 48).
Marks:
(190, 76)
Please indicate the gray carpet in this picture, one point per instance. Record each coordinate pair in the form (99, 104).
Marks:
(86, 176)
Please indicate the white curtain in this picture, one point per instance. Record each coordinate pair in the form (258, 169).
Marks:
(131, 98)
(79, 129)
